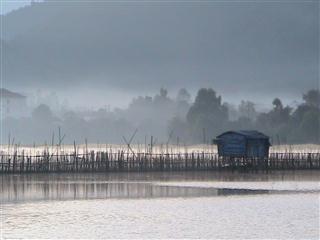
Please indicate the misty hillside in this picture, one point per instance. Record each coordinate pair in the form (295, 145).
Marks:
(128, 45)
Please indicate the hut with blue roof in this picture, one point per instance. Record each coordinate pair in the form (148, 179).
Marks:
(252, 144)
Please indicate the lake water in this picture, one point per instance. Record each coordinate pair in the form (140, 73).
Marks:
(280, 205)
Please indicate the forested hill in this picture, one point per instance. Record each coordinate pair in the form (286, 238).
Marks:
(127, 45)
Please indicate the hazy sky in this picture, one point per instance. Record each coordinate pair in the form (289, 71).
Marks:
(244, 49)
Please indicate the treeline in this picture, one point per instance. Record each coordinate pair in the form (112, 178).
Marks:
(169, 120)
(208, 117)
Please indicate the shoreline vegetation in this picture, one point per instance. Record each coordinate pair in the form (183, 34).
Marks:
(179, 120)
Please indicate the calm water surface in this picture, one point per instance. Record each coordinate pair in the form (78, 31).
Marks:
(157, 205)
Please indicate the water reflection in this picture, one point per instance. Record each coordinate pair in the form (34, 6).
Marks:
(34, 187)
(17, 192)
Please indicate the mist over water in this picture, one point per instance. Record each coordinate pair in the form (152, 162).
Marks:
(163, 118)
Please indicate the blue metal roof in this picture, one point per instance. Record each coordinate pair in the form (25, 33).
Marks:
(253, 134)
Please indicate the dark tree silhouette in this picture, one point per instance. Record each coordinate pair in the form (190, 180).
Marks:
(207, 114)
(312, 98)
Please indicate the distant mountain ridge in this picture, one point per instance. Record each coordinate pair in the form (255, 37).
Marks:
(129, 45)
(5, 93)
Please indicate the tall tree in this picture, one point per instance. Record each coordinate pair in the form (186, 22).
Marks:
(207, 115)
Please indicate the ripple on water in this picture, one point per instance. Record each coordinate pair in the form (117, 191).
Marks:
(258, 216)
(181, 205)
